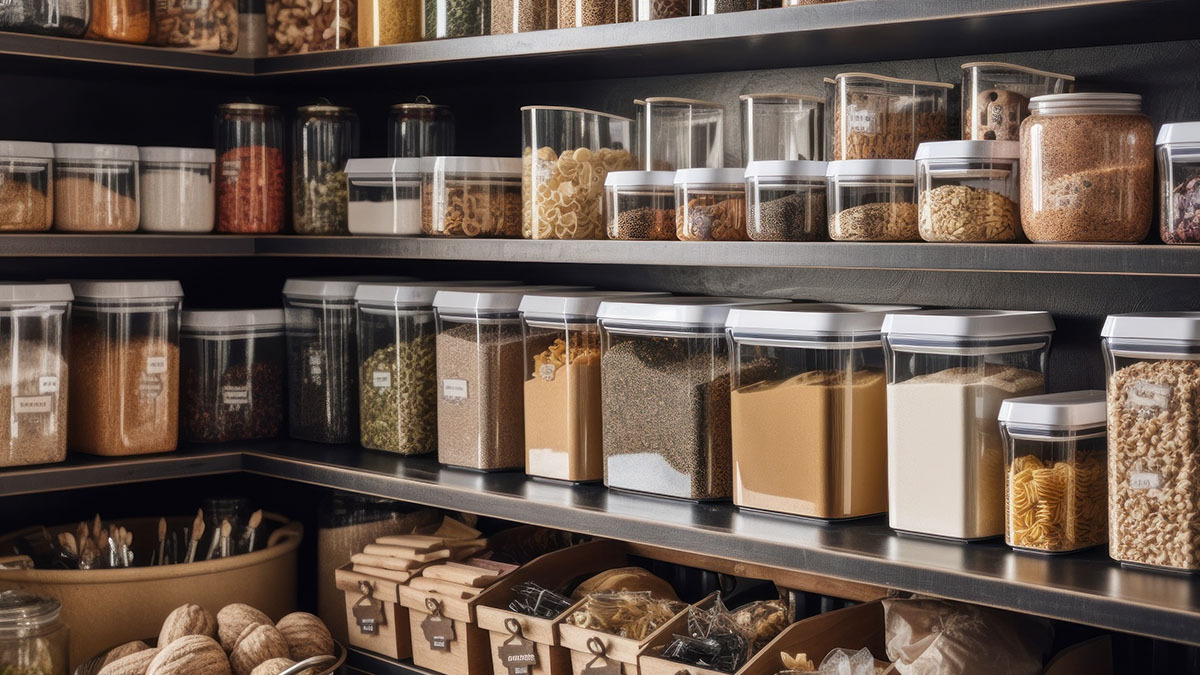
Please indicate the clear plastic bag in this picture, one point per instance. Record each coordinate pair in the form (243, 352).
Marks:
(930, 637)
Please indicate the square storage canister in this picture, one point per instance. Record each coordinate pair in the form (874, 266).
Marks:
(26, 186)
(384, 195)
(879, 117)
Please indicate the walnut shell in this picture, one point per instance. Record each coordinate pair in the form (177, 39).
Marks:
(124, 650)
(135, 663)
(306, 636)
(187, 620)
(273, 667)
(190, 655)
(233, 619)
(258, 644)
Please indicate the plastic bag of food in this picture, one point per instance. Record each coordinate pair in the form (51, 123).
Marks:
(932, 637)
(633, 615)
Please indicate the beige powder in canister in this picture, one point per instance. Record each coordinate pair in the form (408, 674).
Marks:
(84, 205)
(563, 416)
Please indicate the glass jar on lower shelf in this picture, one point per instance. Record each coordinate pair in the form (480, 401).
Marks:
(785, 201)
(26, 186)
(710, 205)
(872, 200)
(33, 637)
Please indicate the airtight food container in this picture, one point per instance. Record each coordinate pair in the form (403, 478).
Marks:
(1055, 472)
(785, 200)
(250, 169)
(1153, 367)
(60, 18)
(948, 373)
(233, 375)
(1179, 182)
(664, 394)
(324, 138)
(640, 205)
(124, 381)
(710, 205)
(178, 189)
(33, 363)
(680, 133)
(384, 196)
(782, 127)
(471, 196)
(969, 191)
(872, 200)
(995, 98)
(878, 117)
(420, 129)
(808, 408)
(95, 187)
(26, 186)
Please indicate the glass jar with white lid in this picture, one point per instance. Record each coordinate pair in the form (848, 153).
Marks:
(178, 189)
(95, 187)
(384, 196)
(968, 191)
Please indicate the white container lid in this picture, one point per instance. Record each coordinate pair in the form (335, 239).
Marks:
(710, 176)
(339, 288)
(579, 305)
(1179, 132)
(95, 151)
(383, 166)
(184, 155)
(889, 168)
(34, 293)
(647, 178)
(88, 289)
(414, 293)
(493, 166)
(1118, 102)
(234, 319)
(1068, 410)
(1158, 326)
(792, 168)
(491, 300)
(1006, 150)
(799, 319)
(33, 149)
(698, 310)
(969, 323)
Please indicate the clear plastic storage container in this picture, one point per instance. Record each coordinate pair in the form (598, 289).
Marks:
(33, 637)
(480, 376)
(384, 196)
(120, 21)
(233, 375)
(969, 191)
(664, 394)
(1153, 365)
(177, 189)
(1178, 183)
(725, 6)
(568, 153)
(324, 138)
(576, 13)
(948, 373)
(250, 176)
(872, 200)
(26, 186)
(995, 98)
(710, 204)
(782, 127)
(389, 22)
(471, 196)
(640, 204)
(322, 368)
(1055, 478)
(562, 384)
(33, 367)
(207, 25)
(95, 187)
(61, 18)
(124, 382)
(420, 129)
(456, 18)
(680, 133)
(523, 16)
(808, 409)
(300, 26)
(652, 10)
(1087, 169)
(878, 117)
(785, 200)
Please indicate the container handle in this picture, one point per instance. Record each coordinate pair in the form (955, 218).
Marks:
(434, 607)
(596, 646)
(312, 662)
(513, 626)
(292, 530)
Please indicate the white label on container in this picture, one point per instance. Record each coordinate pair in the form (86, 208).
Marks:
(381, 379)
(1140, 480)
(156, 365)
(862, 120)
(454, 390)
(230, 169)
(235, 397)
(48, 384)
(150, 386)
(33, 404)
(1142, 394)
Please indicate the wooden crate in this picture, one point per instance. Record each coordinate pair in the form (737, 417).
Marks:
(851, 628)
(393, 638)
(651, 663)
(588, 646)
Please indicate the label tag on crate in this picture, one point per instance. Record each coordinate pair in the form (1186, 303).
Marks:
(368, 612)
(439, 631)
(518, 655)
(601, 664)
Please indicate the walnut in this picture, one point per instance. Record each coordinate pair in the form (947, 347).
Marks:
(187, 620)
(306, 636)
(257, 644)
(190, 655)
(233, 619)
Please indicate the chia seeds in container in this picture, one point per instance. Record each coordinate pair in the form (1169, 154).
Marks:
(26, 186)
(786, 200)
(177, 192)
(324, 138)
(640, 205)
(1179, 182)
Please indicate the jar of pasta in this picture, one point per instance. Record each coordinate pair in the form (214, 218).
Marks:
(878, 117)
(471, 196)
(1055, 479)
(710, 205)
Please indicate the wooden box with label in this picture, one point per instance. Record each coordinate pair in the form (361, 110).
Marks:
(372, 619)
(594, 652)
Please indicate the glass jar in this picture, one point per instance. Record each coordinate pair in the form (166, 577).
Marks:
(324, 138)
(872, 200)
(562, 384)
(384, 196)
(640, 205)
(576, 13)
(785, 200)
(664, 381)
(299, 26)
(60, 18)
(782, 127)
(456, 18)
(650, 10)
(471, 196)
(878, 117)
(522, 16)
(995, 98)
(568, 153)
(420, 129)
(120, 21)
(968, 191)
(1055, 477)
(1088, 169)
(389, 22)
(805, 3)
(250, 178)
(1179, 182)
(680, 133)
(33, 366)
(808, 409)
(95, 187)
(124, 383)
(177, 190)
(233, 375)
(710, 205)
(1153, 367)
(33, 637)
(948, 373)
(724, 6)
(206, 25)
(26, 186)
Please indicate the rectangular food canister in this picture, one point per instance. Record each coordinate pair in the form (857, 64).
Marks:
(995, 98)
(384, 196)
(680, 133)
(1179, 182)
(879, 117)
(969, 191)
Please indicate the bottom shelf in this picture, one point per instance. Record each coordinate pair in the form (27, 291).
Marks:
(359, 661)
